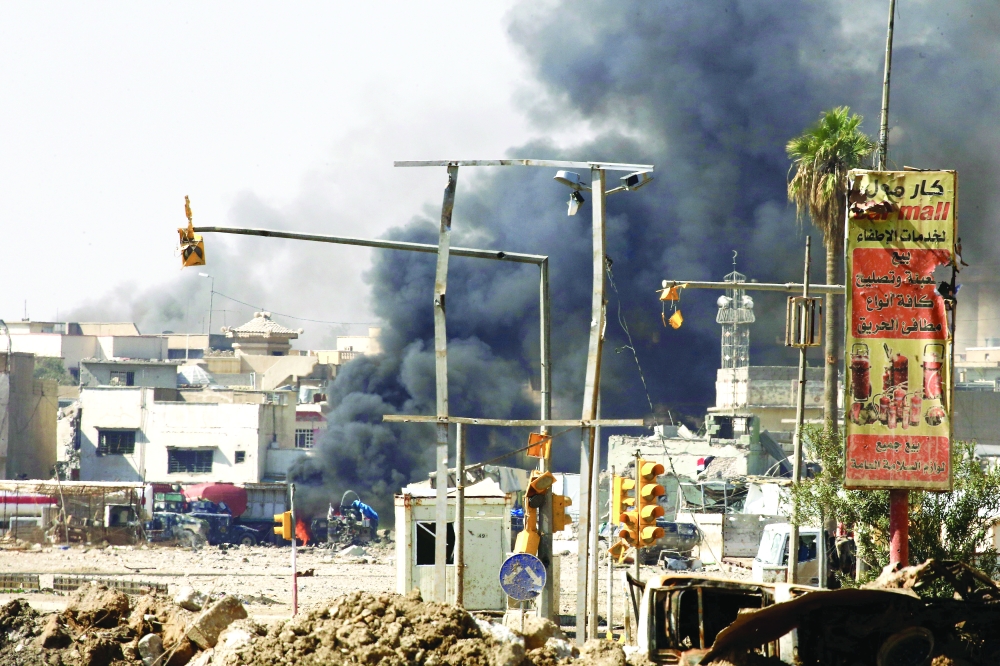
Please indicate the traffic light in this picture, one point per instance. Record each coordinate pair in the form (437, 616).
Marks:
(540, 483)
(649, 506)
(192, 244)
(284, 527)
(621, 497)
(560, 519)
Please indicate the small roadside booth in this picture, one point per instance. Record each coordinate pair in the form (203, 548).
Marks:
(487, 542)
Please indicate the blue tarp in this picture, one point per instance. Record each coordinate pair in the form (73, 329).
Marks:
(365, 510)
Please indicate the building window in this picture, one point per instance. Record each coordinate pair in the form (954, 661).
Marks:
(425, 543)
(115, 442)
(304, 438)
(241, 456)
(122, 378)
(189, 461)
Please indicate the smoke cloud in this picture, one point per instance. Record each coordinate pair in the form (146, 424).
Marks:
(710, 93)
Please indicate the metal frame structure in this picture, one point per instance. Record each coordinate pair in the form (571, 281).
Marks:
(598, 187)
(541, 261)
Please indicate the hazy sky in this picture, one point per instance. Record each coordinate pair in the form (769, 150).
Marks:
(283, 114)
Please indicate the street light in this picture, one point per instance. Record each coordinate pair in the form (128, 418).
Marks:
(211, 299)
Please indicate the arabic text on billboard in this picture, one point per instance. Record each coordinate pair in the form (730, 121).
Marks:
(900, 228)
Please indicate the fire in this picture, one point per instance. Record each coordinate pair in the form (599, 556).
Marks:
(301, 532)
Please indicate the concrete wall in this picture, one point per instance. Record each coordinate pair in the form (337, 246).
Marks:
(225, 422)
(977, 417)
(767, 385)
(151, 347)
(99, 374)
(27, 420)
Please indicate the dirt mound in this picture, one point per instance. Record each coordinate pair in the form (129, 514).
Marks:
(374, 629)
(97, 606)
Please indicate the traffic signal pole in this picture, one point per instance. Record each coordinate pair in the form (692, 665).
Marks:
(295, 571)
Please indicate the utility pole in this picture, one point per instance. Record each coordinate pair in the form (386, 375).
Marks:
(460, 514)
(591, 384)
(899, 500)
(800, 408)
(883, 134)
(441, 384)
(594, 536)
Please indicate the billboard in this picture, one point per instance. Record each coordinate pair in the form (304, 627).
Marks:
(900, 229)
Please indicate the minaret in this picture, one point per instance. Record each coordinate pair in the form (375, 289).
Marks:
(736, 314)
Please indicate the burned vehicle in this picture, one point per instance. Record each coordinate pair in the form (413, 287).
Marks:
(677, 543)
(689, 619)
(182, 529)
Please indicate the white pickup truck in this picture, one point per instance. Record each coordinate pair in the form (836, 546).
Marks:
(771, 563)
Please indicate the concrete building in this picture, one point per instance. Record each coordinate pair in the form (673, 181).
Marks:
(186, 436)
(153, 374)
(309, 425)
(770, 393)
(262, 336)
(27, 419)
(72, 342)
(185, 346)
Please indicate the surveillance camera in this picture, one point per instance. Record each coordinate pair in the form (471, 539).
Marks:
(570, 179)
(634, 181)
(575, 201)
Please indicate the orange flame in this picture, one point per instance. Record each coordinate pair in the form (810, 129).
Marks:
(301, 532)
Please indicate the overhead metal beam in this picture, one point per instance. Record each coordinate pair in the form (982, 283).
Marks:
(515, 423)
(557, 164)
(497, 255)
(788, 287)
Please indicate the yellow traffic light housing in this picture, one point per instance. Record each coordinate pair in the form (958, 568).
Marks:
(284, 527)
(192, 244)
(621, 498)
(560, 519)
(528, 539)
(649, 505)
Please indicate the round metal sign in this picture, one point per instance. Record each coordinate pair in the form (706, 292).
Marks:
(522, 576)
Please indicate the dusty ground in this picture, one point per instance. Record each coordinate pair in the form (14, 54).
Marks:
(260, 576)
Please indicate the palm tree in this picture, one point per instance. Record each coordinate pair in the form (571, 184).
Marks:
(821, 157)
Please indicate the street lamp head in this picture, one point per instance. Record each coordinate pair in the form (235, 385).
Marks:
(575, 200)
(204, 275)
(571, 179)
(634, 181)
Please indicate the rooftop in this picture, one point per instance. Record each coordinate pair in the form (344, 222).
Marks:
(261, 326)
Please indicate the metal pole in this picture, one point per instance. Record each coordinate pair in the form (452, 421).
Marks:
(899, 527)
(883, 135)
(611, 560)
(638, 489)
(459, 514)
(593, 537)
(295, 571)
(547, 595)
(211, 304)
(590, 397)
(899, 500)
(821, 549)
(441, 383)
(800, 408)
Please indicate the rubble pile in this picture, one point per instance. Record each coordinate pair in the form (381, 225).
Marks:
(101, 627)
(362, 628)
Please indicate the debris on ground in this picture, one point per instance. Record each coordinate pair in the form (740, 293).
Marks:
(944, 613)
(102, 627)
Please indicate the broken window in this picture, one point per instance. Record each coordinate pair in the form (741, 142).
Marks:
(122, 378)
(189, 461)
(304, 438)
(240, 457)
(115, 442)
(426, 531)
